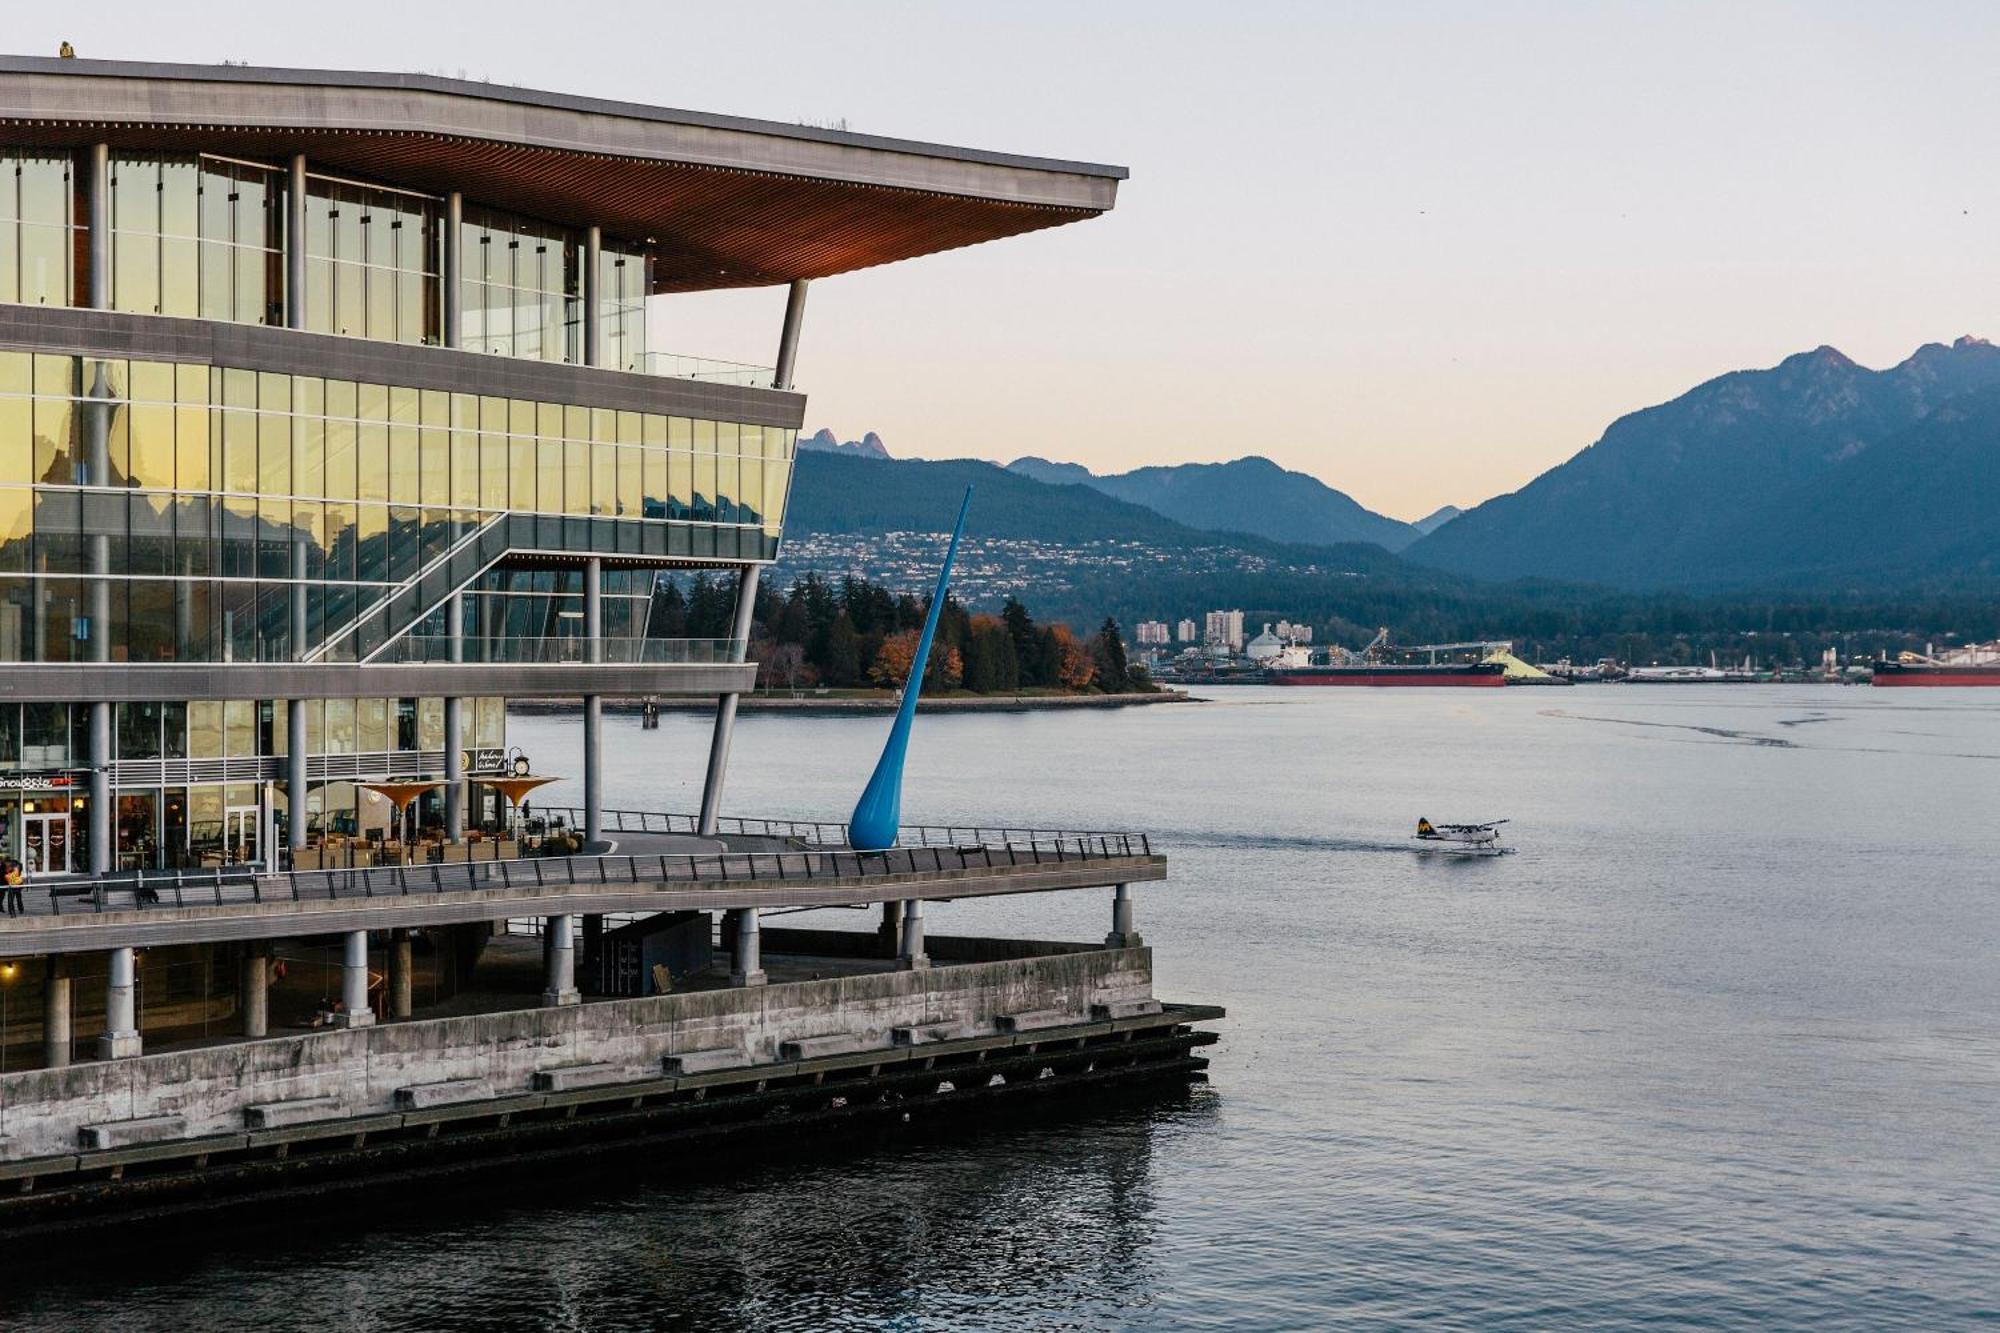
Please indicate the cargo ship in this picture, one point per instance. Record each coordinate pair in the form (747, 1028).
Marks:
(1390, 674)
(1974, 664)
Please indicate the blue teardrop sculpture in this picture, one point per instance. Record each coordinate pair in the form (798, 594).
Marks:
(879, 813)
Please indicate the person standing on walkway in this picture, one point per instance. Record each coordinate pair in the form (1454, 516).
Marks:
(11, 877)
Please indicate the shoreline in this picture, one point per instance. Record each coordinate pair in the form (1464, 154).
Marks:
(886, 703)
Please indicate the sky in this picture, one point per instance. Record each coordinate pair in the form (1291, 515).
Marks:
(1422, 251)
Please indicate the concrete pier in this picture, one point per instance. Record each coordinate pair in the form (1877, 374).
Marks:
(56, 1020)
(911, 957)
(400, 967)
(1122, 935)
(354, 1012)
(889, 935)
(559, 941)
(120, 1040)
(747, 968)
(255, 1000)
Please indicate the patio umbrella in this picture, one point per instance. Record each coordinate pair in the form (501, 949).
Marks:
(400, 795)
(515, 789)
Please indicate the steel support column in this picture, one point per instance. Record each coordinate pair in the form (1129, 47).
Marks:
(788, 336)
(453, 276)
(297, 791)
(725, 705)
(593, 705)
(593, 297)
(454, 728)
(295, 245)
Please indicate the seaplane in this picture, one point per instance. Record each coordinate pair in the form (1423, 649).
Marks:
(1462, 839)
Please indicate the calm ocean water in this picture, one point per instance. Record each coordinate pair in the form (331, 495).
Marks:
(1719, 1047)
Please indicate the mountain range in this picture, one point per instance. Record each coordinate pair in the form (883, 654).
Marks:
(824, 441)
(1816, 473)
(1249, 495)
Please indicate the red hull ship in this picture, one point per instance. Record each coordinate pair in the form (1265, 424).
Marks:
(1931, 675)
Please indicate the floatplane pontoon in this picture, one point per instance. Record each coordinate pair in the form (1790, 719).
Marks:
(1464, 839)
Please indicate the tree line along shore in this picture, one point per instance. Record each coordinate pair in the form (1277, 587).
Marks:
(854, 635)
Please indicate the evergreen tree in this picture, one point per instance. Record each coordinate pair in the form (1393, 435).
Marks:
(841, 666)
(1107, 649)
(666, 618)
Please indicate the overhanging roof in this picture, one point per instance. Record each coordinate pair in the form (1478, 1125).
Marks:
(725, 201)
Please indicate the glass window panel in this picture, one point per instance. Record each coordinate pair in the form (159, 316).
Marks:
(372, 447)
(603, 478)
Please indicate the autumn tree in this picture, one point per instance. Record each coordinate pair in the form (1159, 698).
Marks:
(1072, 664)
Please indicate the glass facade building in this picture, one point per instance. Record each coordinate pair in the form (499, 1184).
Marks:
(186, 510)
(330, 420)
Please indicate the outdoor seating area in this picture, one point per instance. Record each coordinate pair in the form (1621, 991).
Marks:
(337, 852)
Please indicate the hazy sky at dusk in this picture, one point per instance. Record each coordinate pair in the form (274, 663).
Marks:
(1423, 251)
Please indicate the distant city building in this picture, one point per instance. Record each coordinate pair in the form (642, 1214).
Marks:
(1151, 631)
(1185, 631)
(1292, 633)
(1224, 628)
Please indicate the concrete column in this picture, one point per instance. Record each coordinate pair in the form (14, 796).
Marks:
(560, 989)
(725, 704)
(103, 855)
(593, 768)
(295, 245)
(593, 297)
(401, 960)
(354, 983)
(747, 968)
(254, 1000)
(1122, 935)
(593, 705)
(454, 769)
(454, 728)
(297, 790)
(121, 1022)
(889, 935)
(301, 564)
(97, 427)
(99, 203)
(912, 955)
(788, 336)
(454, 270)
(56, 1013)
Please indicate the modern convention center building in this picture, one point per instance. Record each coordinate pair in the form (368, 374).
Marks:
(330, 421)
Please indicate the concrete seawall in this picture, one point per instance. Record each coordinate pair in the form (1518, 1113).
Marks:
(868, 706)
(359, 1071)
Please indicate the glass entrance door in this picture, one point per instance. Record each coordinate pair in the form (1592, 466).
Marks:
(45, 843)
(239, 834)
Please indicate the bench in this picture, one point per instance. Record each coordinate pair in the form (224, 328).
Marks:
(126, 1133)
(298, 1111)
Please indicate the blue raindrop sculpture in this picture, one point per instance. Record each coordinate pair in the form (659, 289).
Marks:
(879, 813)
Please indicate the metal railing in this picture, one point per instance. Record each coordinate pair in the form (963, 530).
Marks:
(819, 834)
(707, 369)
(718, 870)
(566, 650)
